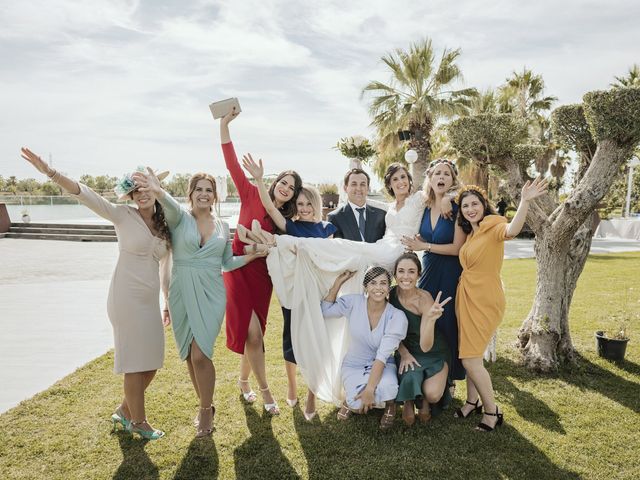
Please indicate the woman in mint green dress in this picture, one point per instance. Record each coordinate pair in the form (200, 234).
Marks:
(197, 297)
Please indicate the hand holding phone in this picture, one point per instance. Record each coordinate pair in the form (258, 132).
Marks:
(223, 107)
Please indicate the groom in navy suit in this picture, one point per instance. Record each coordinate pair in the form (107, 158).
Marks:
(356, 220)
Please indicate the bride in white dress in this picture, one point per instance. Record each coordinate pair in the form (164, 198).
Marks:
(304, 269)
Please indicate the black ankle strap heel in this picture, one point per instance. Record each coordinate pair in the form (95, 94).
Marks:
(477, 409)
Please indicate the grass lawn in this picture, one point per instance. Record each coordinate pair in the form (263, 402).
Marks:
(578, 423)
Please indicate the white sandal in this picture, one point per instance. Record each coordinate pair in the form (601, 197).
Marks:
(271, 408)
(250, 396)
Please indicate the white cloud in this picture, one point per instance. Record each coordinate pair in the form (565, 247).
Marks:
(106, 83)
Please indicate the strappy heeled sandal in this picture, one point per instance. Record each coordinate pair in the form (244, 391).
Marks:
(483, 427)
(118, 418)
(152, 434)
(477, 408)
(388, 418)
(205, 432)
(250, 396)
(271, 408)
(344, 413)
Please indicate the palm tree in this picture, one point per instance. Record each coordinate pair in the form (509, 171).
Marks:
(523, 95)
(418, 94)
(631, 80)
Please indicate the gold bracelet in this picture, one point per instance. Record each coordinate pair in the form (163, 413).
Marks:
(53, 174)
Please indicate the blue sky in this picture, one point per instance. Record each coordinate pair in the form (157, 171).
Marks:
(106, 85)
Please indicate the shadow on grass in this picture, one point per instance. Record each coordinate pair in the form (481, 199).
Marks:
(444, 448)
(201, 461)
(585, 375)
(628, 367)
(135, 461)
(260, 456)
(528, 406)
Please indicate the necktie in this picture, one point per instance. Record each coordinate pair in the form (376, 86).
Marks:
(361, 220)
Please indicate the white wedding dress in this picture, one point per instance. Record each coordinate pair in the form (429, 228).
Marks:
(304, 269)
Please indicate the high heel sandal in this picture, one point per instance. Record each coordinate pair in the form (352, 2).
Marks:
(146, 434)
(271, 408)
(344, 413)
(388, 418)
(118, 418)
(292, 402)
(250, 396)
(483, 427)
(205, 432)
(477, 408)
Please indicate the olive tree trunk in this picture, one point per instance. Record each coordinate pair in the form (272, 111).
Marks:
(562, 244)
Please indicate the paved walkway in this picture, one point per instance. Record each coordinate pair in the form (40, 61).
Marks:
(53, 316)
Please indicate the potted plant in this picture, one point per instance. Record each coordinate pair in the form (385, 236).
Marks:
(25, 216)
(329, 194)
(613, 346)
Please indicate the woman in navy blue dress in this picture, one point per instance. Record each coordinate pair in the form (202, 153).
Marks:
(308, 223)
(441, 239)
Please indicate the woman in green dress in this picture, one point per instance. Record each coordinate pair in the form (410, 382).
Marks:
(423, 355)
(197, 297)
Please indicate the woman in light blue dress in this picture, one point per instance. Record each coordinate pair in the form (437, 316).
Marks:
(197, 297)
(376, 328)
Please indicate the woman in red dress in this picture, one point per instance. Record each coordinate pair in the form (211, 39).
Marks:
(249, 288)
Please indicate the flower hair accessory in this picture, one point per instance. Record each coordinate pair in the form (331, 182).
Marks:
(446, 161)
(473, 189)
(126, 185)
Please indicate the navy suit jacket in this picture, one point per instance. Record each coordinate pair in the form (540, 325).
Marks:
(344, 220)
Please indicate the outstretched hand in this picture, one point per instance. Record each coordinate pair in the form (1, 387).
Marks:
(437, 308)
(255, 169)
(35, 160)
(534, 189)
(147, 182)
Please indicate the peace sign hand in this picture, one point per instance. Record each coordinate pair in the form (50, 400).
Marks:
(436, 310)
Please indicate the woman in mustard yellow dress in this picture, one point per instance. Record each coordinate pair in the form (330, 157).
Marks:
(480, 298)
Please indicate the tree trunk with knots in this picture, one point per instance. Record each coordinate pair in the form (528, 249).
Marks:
(562, 244)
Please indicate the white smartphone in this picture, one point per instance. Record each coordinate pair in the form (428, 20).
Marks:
(223, 107)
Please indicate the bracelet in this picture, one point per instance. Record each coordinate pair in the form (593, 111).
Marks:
(429, 249)
(55, 172)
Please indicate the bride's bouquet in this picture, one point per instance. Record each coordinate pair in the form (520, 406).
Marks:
(356, 147)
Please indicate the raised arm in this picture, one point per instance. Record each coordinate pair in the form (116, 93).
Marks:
(84, 194)
(243, 185)
(530, 191)
(148, 182)
(66, 183)
(337, 284)
(257, 171)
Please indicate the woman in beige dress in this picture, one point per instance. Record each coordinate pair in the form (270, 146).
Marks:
(133, 303)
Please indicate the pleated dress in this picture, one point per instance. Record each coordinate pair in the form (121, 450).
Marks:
(480, 301)
(133, 305)
(431, 362)
(197, 297)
